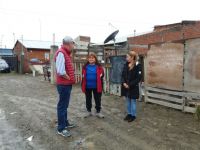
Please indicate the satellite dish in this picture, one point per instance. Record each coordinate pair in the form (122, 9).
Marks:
(111, 37)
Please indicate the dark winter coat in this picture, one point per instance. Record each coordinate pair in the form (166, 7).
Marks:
(132, 78)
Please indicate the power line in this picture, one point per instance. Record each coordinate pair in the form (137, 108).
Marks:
(56, 14)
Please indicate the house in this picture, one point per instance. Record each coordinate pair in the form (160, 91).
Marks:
(6, 52)
(171, 68)
(32, 49)
(81, 48)
(10, 58)
(165, 33)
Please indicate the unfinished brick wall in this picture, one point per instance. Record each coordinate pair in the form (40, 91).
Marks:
(139, 50)
(17, 50)
(167, 33)
(29, 54)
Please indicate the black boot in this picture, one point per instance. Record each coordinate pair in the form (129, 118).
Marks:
(127, 117)
(132, 118)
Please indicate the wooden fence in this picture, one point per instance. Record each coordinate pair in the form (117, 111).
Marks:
(172, 76)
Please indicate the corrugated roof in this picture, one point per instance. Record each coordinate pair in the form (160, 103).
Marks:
(6, 52)
(122, 39)
(38, 44)
(34, 44)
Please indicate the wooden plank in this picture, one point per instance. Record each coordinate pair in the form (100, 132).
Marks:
(194, 103)
(96, 50)
(192, 66)
(165, 97)
(189, 109)
(115, 89)
(165, 66)
(192, 95)
(145, 79)
(164, 91)
(167, 104)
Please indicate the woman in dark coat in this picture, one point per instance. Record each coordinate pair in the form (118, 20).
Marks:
(131, 77)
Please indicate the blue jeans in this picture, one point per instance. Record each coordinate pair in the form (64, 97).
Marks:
(131, 106)
(64, 92)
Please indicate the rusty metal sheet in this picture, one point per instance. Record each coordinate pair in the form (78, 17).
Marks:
(192, 66)
(164, 67)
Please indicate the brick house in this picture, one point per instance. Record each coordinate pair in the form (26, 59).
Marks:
(33, 50)
(165, 33)
(177, 32)
(171, 68)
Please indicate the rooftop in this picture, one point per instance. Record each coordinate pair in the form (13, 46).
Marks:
(34, 44)
(6, 52)
(38, 44)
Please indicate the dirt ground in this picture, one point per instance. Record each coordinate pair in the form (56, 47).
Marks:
(28, 108)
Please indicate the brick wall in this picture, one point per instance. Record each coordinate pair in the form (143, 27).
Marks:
(178, 32)
(17, 50)
(29, 54)
(139, 50)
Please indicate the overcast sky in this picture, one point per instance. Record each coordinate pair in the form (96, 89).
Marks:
(39, 19)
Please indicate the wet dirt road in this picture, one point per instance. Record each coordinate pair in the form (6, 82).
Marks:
(28, 108)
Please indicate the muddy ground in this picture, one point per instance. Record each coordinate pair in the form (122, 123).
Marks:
(28, 108)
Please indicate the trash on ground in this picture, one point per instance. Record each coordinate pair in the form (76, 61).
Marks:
(30, 138)
(12, 113)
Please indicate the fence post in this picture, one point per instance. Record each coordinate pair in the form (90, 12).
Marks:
(22, 62)
(53, 68)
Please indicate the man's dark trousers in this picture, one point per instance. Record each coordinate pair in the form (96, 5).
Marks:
(64, 92)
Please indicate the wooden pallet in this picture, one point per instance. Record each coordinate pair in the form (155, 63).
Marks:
(115, 89)
(192, 101)
(106, 86)
(164, 97)
(78, 78)
(185, 101)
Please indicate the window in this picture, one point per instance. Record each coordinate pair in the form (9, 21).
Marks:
(46, 56)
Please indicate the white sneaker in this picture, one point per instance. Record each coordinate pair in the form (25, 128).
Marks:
(88, 114)
(64, 133)
(99, 115)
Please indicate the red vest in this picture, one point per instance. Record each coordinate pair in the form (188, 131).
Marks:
(100, 75)
(68, 67)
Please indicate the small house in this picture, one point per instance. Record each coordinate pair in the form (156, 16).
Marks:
(32, 50)
(171, 65)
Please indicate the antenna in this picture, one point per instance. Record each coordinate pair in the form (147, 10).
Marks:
(110, 24)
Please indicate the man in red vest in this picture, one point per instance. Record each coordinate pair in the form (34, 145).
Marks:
(64, 80)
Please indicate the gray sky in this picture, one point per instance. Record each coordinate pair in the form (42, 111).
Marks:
(88, 17)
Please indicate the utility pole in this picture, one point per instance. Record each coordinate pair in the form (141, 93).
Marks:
(1, 42)
(54, 39)
(22, 58)
(52, 62)
(40, 29)
(14, 38)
